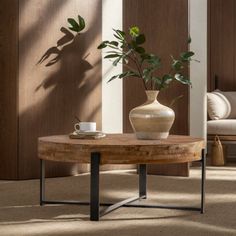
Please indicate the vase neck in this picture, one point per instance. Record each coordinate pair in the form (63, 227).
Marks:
(151, 95)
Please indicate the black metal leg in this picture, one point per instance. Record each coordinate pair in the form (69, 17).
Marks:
(143, 181)
(94, 187)
(94, 191)
(42, 182)
(203, 181)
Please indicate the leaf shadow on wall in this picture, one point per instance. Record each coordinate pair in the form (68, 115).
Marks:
(67, 91)
(64, 53)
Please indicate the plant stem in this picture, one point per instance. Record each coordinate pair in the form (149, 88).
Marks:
(139, 69)
(130, 68)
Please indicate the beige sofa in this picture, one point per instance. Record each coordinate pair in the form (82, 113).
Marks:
(221, 107)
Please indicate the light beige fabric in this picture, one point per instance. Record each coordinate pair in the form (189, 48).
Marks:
(231, 97)
(222, 127)
(218, 106)
(21, 215)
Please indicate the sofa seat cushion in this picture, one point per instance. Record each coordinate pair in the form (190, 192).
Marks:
(222, 127)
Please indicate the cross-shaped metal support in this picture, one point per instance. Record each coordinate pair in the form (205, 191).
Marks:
(94, 203)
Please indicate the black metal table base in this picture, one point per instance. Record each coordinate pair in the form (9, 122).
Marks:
(94, 203)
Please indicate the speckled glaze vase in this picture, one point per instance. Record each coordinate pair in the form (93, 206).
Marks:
(151, 120)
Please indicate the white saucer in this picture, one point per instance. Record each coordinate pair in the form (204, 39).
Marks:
(87, 135)
(92, 133)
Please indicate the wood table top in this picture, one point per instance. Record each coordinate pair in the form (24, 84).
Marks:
(121, 149)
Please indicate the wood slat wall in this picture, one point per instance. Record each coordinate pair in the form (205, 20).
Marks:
(8, 88)
(45, 98)
(166, 28)
(222, 47)
(50, 96)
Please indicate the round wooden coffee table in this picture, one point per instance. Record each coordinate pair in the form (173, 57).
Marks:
(120, 149)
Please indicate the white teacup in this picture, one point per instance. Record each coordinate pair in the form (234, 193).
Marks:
(85, 126)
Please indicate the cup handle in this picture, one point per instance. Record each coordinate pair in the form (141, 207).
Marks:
(76, 127)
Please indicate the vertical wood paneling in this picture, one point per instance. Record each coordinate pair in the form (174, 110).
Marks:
(8, 88)
(166, 28)
(50, 96)
(227, 44)
(215, 42)
(209, 81)
(234, 50)
(222, 44)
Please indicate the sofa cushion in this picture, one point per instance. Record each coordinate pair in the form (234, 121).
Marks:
(218, 106)
(222, 127)
(231, 97)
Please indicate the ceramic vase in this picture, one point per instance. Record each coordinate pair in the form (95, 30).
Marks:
(151, 120)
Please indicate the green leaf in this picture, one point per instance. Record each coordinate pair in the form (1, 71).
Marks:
(140, 39)
(177, 65)
(166, 80)
(182, 79)
(157, 83)
(113, 52)
(121, 56)
(114, 43)
(74, 25)
(112, 46)
(140, 50)
(113, 77)
(81, 23)
(117, 37)
(117, 60)
(122, 75)
(120, 34)
(127, 74)
(154, 60)
(145, 56)
(146, 78)
(146, 73)
(111, 56)
(189, 40)
(103, 44)
(186, 56)
(157, 80)
(134, 31)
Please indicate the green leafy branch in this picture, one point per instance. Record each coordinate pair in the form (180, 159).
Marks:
(128, 49)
